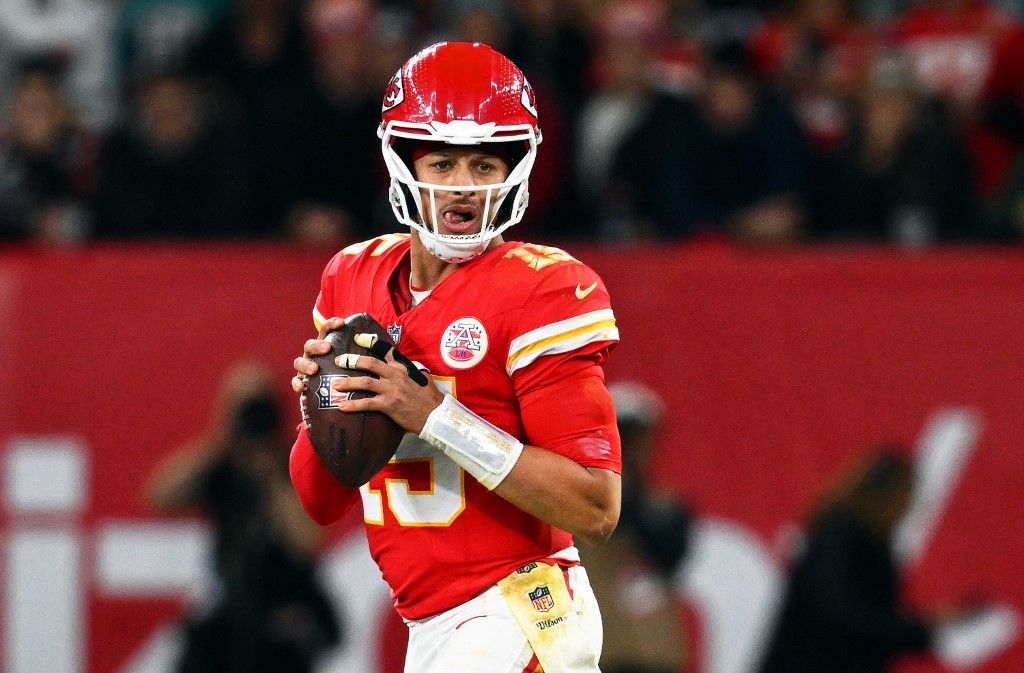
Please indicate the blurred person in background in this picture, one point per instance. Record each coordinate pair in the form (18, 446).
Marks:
(633, 573)
(957, 51)
(81, 34)
(270, 614)
(47, 161)
(156, 34)
(817, 52)
(903, 175)
(256, 63)
(743, 156)
(627, 147)
(842, 612)
(335, 194)
(174, 169)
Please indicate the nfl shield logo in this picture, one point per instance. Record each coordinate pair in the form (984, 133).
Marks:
(326, 396)
(541, 599)
(395, 332)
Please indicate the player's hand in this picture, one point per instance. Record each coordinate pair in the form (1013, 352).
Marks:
(304, 365)
(395, 393)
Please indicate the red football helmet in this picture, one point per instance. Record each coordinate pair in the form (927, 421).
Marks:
(461, 94)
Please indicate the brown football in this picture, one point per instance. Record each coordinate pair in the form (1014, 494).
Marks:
(353, 446)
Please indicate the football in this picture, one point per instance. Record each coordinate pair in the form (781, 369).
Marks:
(353, 446)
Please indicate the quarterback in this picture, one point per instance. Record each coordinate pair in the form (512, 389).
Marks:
(513, 448)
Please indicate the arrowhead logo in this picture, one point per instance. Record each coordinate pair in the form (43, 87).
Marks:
(582, 292)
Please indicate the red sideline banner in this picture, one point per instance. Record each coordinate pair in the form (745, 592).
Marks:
(778, 368)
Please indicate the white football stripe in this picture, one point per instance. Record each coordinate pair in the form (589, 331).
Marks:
(561, 337)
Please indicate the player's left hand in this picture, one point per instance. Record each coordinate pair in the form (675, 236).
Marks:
(395, 392)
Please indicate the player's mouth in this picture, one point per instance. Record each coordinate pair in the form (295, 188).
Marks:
(460, 219)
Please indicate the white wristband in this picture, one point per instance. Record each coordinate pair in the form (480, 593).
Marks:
(485, 451)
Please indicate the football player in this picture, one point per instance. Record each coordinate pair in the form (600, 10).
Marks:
(512, 449)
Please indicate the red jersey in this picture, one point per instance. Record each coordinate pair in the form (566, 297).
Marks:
(517, 335)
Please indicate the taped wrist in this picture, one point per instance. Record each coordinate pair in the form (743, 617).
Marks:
(480, 448)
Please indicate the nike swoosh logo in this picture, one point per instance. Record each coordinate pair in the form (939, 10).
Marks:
(582, 292)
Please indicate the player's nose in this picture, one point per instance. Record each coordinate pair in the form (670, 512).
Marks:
(461, 175)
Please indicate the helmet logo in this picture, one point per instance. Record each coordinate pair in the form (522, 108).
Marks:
(529, 98)
(395, 93)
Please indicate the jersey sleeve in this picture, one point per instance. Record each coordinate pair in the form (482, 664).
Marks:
(324, 499)
(574, 416)
(323, 308)
(568, 315)
(562, 336)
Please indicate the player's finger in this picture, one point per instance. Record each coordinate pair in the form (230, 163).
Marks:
(367, 364)
(299, 383)
(362, 404)
(390, 353)
(349, 383)
(328, 325)
(316, 347)
(304, 365)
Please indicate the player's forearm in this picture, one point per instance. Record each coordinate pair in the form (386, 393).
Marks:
(552, 487)
(557, 490)
(322, 497)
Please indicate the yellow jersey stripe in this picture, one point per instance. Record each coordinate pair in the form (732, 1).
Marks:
(564, 336)
(318, 320)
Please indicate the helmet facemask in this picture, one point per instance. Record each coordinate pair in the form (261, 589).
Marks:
(504, 203)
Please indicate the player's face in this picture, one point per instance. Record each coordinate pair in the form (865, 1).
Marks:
(459, 212)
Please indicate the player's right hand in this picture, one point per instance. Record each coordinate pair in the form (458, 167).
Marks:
(304, 365)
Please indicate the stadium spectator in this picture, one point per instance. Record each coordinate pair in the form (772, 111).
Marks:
(955, 49)
(633, 573)
(47, 162)
(174, 169)
(79, 33)
(743, 157)
(903, 175)
(271, 614)
(160, 34)
(842, 610)
(256, 61)
(336, 123)
(628, 140)
(818, 53)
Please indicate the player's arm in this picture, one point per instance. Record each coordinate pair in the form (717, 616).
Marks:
(572, 482)
(323, 498)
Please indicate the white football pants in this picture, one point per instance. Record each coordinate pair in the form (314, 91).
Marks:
(482, 636)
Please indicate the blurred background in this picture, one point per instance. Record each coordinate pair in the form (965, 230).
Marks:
(809, 214)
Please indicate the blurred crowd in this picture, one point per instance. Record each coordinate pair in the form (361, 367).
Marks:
(755, 121)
